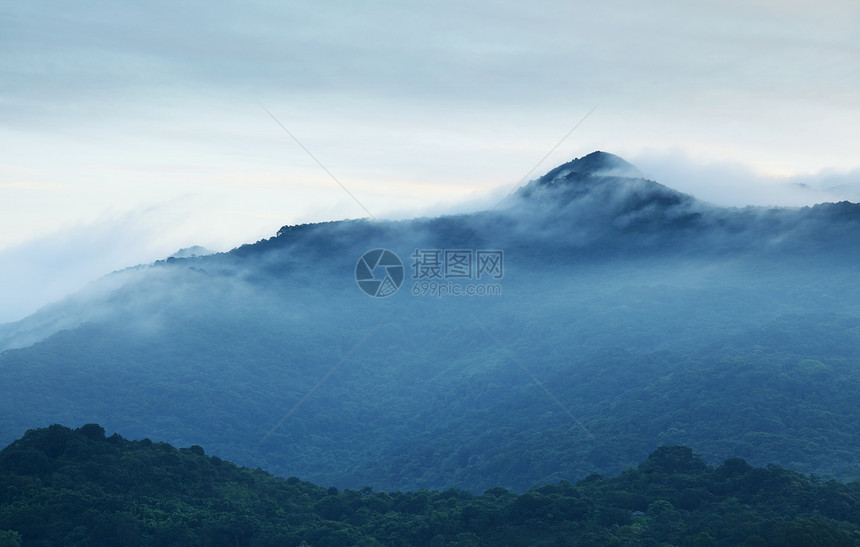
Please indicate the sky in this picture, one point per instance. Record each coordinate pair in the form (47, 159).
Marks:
(131, 130)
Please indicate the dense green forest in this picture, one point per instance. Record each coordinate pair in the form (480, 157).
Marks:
(80, 487)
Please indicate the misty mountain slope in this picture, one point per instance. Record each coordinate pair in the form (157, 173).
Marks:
(581, 212)
(609, 182)
(627, 300)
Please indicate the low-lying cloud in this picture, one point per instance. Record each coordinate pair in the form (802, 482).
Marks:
(736, 184)
(46, 269)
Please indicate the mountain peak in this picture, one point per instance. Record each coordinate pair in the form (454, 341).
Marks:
(192, 252)
(604, 185)
(600, 173)
(596, 164)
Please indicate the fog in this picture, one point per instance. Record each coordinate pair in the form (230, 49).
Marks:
(620, 297)
(68, 256)
(728, 183)
(45, 269)
(113, 110)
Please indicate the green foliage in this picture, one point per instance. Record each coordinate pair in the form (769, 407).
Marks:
(10, 538)
(268, 355)
(93, 490)
(442, 409)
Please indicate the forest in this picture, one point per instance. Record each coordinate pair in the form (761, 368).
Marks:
(60, 486)
(655, 370)
(649, 317)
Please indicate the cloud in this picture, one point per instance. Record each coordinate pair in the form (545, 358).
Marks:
(737, 184)
(112, 107)
(43, 270)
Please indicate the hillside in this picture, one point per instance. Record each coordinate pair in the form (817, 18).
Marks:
(629, 316)
(78, 487)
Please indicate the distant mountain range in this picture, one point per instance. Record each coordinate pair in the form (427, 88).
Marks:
(609, 315)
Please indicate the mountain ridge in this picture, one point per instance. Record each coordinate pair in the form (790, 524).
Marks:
(628, 307)
(598, 203)
(61, 486)
(595, 164)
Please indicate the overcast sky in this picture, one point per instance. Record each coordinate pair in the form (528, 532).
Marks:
(129, 130)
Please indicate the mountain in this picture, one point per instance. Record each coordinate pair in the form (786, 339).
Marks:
(607, 175)
(79, 487)
(602, 316)
(192, 252)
